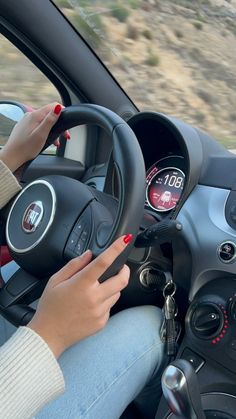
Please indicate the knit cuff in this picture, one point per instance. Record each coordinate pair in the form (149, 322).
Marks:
(8, 184)
(30, 376)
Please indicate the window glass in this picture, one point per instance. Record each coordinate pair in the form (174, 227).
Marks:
(176, 57)
(21, 81)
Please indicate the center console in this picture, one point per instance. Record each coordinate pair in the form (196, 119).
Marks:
(210, 347)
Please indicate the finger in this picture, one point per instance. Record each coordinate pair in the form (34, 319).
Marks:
(110, 302)
(107, 305)
(66, 135)
(49, 120)
(99, 265)
(115, 284)
(57, 142)
(71, 268)
(42, 112)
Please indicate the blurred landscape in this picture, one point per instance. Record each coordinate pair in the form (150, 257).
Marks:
(175, 57)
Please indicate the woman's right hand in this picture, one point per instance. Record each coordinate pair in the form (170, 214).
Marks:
(74, 304)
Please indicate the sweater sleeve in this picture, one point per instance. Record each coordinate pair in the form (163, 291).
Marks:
(8, 184)
(30, 376)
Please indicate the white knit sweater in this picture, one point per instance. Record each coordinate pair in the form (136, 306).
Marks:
(29, 373)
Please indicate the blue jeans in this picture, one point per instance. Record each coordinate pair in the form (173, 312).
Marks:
(108, 370)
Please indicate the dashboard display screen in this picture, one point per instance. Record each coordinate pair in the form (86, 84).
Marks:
(164, 187)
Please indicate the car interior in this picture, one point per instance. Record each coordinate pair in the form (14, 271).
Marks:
(166, 181)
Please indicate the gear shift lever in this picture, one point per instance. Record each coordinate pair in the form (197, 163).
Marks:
(181, 391)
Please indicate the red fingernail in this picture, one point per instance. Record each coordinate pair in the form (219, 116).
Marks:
(57, 109)
(68, 136)
(128, 238)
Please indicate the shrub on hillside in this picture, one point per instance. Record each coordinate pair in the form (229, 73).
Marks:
(198, 25)
(153, 60)
(147, 34)
(121, 13)
(178, 33)
(132, 31)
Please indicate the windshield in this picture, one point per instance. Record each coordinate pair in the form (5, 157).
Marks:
(175, 57)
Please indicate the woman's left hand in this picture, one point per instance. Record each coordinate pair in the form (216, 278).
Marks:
(29, 135)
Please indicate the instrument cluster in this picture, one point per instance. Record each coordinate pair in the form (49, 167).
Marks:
(165, 183)
(163, 142)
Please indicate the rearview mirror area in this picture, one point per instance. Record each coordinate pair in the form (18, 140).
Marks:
(10, 113)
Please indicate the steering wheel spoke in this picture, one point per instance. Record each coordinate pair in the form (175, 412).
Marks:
(16, 295)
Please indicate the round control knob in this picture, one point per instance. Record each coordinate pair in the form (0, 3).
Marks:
(206, 320)
(227, 252)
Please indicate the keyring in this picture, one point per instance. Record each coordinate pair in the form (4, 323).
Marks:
(168, 286)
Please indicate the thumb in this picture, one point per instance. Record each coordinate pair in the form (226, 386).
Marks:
(71, 268)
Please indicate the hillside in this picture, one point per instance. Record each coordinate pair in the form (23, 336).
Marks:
(187, 68)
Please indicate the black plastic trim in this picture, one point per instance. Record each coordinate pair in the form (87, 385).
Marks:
(53, 165)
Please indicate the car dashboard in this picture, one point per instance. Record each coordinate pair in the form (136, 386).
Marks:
(189, 178)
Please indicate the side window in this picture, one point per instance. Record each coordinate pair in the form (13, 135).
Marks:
(23, 82)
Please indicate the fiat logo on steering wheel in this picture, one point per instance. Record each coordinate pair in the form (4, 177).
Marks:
(32, 216)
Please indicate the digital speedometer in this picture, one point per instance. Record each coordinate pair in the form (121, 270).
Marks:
(164, 186)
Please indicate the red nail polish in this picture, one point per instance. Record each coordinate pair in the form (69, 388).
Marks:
(128, 238)
(57, 109)
(68, 136)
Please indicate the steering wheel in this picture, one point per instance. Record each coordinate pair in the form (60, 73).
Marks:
(56, 218)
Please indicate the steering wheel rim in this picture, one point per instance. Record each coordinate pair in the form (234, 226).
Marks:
(128, 160)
